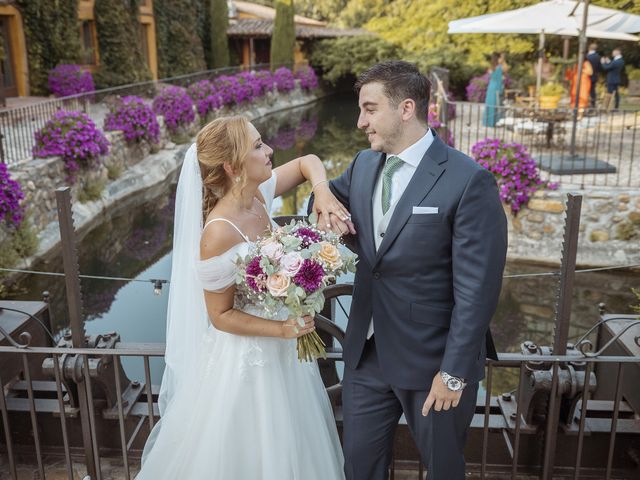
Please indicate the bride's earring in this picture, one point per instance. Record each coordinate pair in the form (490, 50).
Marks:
(237, 180)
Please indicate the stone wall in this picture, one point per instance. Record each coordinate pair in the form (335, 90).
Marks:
(609, 227)
(137, 167)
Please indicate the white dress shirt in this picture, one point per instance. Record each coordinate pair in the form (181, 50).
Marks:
(411, 156)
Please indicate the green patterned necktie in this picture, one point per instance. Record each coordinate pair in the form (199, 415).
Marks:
(390, 167)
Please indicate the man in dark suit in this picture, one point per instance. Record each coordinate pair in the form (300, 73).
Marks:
(614, 75)
(432, 239)
(594, 59)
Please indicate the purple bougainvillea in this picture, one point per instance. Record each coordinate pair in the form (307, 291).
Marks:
(175, 105)
(65, 80)
(74, 137)
(515, 171)
(11, 194)
(135, 118)
(206, 97)
(307, 77)
(284, 79)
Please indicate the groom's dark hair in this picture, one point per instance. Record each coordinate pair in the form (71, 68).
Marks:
(401, 80)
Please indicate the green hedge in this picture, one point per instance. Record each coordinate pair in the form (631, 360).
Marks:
(52, 34)
(284, 34)
(121, 57)
(179, 46)
(218, 15)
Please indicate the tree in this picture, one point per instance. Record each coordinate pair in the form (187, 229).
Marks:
(179, 46)
(121, 58)
(284, 34)
(219, 44)
(53, 37)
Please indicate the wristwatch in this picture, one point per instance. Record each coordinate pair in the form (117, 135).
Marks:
(455, 384)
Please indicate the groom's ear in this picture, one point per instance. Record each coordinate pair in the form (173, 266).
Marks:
(407, 108)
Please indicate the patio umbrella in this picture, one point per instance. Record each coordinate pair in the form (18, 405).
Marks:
(555, 17)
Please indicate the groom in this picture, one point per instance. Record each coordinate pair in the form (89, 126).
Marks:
(432, 239)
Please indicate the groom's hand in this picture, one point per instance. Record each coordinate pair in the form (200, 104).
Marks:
(440, 397)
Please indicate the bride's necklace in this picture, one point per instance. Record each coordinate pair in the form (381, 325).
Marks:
(250, 210)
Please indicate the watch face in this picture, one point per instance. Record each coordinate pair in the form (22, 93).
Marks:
(454, 384)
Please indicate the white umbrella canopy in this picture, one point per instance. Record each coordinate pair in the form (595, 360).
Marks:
(558, 17)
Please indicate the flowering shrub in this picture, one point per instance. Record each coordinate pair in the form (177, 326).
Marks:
(135, 118)
(74, 137)
(477, 87)
(206, 97)
(307, 77)
(11, 194)
(175, 106)
(228, 88)
(433, 119)
(65, 80)
(266, 80)
(284, 79)
(514, 169)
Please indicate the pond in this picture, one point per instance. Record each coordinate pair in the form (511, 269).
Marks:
(134, 241)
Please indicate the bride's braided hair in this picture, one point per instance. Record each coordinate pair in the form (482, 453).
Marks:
(225, 139)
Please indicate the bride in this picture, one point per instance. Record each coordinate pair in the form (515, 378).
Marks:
(235, 402)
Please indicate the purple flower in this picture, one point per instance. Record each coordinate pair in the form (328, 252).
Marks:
(308, 236)
(11, 194)
(206, 97)
(65, 80)
(74, 137)
(307, 77)
(433, 119)
(175, 106)
(515, 171)
(135, 118)
(477, 87)
(310, 275)
(256, 278)
(284, 79)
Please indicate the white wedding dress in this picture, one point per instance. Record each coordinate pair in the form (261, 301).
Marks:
(253, 411)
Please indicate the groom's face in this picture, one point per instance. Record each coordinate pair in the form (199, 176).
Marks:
(379, 118)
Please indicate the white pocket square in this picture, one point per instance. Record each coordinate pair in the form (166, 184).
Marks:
(423, 210)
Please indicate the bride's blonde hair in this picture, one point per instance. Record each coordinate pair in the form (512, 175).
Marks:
(225, 139)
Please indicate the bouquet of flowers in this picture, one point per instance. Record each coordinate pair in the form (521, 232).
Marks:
(291, 268)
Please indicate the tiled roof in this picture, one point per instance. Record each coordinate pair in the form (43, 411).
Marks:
(264, 28)
(269, 13)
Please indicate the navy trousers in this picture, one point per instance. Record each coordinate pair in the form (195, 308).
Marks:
(372, 408)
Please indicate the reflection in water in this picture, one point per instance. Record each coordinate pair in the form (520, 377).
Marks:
(134, 240)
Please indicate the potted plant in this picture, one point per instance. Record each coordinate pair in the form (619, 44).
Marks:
(550, 95)
(634, 82)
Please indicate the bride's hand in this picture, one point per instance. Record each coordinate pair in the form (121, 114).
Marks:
(292, 329)
(331, 213)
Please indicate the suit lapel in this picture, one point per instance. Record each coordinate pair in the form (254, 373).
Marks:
(425, 177)
(368, 177)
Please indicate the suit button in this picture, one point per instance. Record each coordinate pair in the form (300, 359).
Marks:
(376, 275)
(382, 234)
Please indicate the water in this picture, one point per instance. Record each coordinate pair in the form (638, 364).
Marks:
(134, 240)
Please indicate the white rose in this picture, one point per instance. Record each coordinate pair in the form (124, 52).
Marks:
(291, 263)
(273, 251)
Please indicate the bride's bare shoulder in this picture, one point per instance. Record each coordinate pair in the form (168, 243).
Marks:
(217, 238)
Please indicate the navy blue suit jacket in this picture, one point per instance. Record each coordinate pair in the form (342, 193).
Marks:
(614, 71)
(596, 65)
(433, 284)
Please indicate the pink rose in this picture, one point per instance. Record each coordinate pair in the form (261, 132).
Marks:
(277, 284)
(291, 263)
(273, 251)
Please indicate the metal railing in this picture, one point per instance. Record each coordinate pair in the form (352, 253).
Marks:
(603, 153)
(18, 125)
(608, 423)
